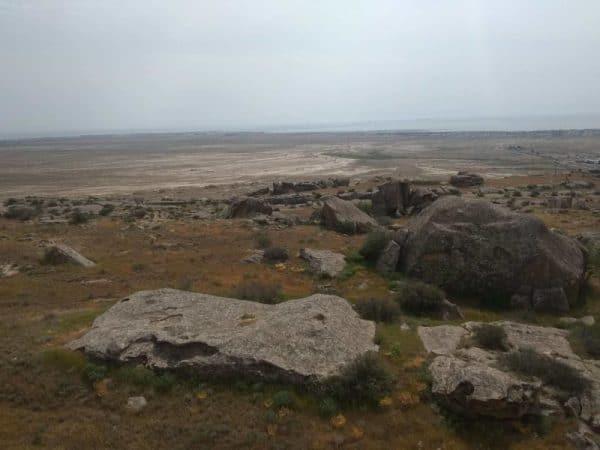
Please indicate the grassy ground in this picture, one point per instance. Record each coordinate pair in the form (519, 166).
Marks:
(46, 402)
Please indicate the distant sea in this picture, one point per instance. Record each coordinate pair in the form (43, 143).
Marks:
(525, 123)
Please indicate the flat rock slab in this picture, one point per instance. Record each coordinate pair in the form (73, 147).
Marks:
(71, 255)
(299, 340)
(324, 262)
(443, 339)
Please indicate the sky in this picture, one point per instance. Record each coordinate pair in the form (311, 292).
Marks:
(75, 65)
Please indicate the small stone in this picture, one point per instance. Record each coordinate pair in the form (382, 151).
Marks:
(136, 404)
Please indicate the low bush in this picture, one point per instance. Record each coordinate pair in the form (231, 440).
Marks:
(378, 309)
(106, 210)
(53, 256)
(366, 207)
(345, 227)
(263, 240)
(78, 217)
(283, 399)
(275, 254)
(328, 407)
(364, 382)
(374, 245)
(554, 373)
(93, 373)
(491, 337)
(144, 377)
(589, 338)
(257, 291)
(420, 299)
(23, 213)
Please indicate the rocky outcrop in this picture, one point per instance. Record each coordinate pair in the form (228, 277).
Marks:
(324, 262)
(466, 179)
(297, 341)
(246, 207)
(340, 215)
(473, 247)
(474, 381)
(398, 197)
(59, 253)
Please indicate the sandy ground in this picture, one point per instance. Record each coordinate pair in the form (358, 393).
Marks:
(122, 164)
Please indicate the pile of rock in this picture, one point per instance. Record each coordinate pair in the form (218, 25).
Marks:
(344, 216)
(473, 381)
(399, 198)
(324, 262)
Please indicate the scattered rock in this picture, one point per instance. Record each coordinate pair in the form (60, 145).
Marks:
(473, 247)
(466, 179)
(296, 341)
(324, 262)
(550, 300)
(588, 321)
(338, 214)
(398, 197)
(255, 258)
(8, 270)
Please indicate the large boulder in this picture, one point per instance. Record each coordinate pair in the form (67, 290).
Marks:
(59, 253)
(297, 341)
(466, 179)
(340, 215)
(473, 247)
(247, 207)
(324, 262)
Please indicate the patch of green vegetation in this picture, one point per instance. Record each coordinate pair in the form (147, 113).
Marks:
(552, 372)
(283, 399)
(63, 359)
(345, 227)
(349, 271)
(106, 210)
(491, 337)
(366, 207)
(22, 213)
(76, 321)
(328, 407)
(78, 217)
(364, 382)
(378, 309)
(92, 373)
(258, 291)
(144, 377)
(420, 299)
(374, 245)
(263, 240)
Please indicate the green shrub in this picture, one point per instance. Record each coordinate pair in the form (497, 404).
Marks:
(144, 377)
(348, 271)
(20, 212)
(263, 240)
(328, 407)
(275, 254)
(257, 291)
(283, 399)
(491, 337)
(78, 217)
(53, 256)
(93, 373)
(374, 245)
(420, 299)
(106, 209)
(378, 309)
(366, 207)
(364, 382)
(589, 338)
(554, 373)
(345, 227)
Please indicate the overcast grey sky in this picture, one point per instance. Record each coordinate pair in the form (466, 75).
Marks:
(142, 64)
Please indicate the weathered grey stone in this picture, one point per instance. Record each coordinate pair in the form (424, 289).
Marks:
(472, 388)
(473, 247)
(246, 207)
(388, 260)
(59, 252)
(443, 339)
(550, 300)
(256, 257)
(338, 214)
(324, 262)
(8, 270)
(136, 404)
(297, 341)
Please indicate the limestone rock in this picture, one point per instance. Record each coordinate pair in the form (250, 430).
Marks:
(296, 341)
(338, 214)
(443, 339)
(324, 262)
(473, 247)
(136, 404)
